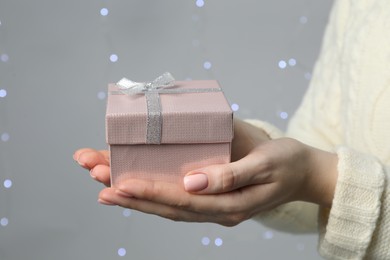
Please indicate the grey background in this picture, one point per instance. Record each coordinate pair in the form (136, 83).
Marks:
(55, 67)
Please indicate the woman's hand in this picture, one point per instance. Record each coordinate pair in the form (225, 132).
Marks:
(264, 174)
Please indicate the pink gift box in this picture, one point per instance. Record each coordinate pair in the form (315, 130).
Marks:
(196, 131)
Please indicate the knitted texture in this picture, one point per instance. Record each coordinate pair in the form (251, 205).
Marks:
(356, 207)
(347, 105)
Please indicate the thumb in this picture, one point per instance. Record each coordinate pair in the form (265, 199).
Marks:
(224, 177)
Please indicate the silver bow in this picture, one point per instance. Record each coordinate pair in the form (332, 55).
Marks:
(130, 87)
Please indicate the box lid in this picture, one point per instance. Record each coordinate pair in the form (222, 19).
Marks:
(204, 117)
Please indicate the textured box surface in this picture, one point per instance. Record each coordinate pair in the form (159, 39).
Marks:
(197, 129)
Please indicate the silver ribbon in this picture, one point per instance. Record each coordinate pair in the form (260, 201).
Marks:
(152, 90)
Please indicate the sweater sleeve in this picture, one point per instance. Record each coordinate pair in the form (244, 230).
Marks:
(357, 226)
(316, 123)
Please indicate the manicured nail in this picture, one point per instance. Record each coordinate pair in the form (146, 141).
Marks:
(77, 159)
(81, 164)
(196, 182)
(122, 193)
(104, 202)
(92, 175)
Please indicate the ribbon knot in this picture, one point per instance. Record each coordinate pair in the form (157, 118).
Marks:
(130, 87)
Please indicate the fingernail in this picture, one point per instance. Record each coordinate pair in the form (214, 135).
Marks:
(104, 202)
(92, 175)
(195, 182)
(81, 164)
(122, 193)
(77, 159)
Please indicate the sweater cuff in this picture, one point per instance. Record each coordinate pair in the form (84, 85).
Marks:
(355, 208)
(272, 131)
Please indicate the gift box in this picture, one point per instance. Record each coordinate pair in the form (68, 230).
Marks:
(161, 132)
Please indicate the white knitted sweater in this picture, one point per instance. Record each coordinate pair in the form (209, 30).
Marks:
(347, 110)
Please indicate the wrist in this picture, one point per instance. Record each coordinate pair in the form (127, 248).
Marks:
(321, 177)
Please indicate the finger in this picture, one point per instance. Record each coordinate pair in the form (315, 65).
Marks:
(246, 137)
(230, 207)
(111, 197)
(101, 173)
(226, 209)
(90, 158)
(80, 151)
(222, 178)
(175, 196)
(77, 153)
